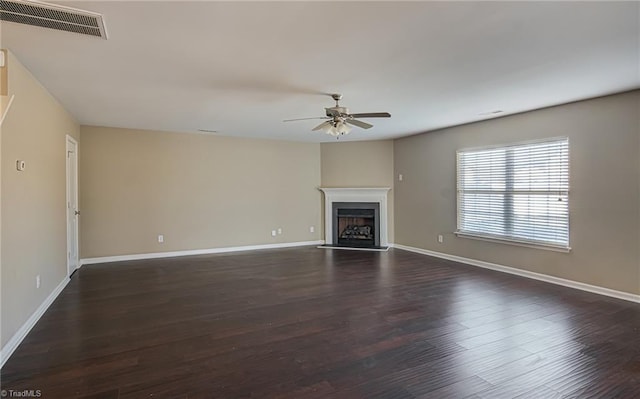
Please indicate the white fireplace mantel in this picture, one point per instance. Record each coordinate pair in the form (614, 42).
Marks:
(355, 194)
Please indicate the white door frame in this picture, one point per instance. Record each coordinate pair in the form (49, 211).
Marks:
(73, 257)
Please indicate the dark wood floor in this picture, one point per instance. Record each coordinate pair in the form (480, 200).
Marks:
(317, 323)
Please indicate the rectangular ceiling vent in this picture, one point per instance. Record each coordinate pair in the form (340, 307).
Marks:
(53, 16)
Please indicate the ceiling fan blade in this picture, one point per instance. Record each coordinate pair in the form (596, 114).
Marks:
(321, 126)
(304, 119)
(372, 115)
(358, 123)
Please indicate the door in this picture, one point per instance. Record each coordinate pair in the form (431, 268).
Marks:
(72, 205)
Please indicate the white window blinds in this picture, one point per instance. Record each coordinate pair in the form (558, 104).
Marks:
(517, 192)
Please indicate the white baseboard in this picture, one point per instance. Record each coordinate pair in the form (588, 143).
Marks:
(172, 254)
(6, 110)
(17, 338)
(627, 296)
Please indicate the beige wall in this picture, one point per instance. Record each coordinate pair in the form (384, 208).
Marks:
(604, 140)
(3, 337)
(199, 191)
(360, 164)
(33, 201)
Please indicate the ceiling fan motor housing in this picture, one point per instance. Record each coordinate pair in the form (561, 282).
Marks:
(337, 111)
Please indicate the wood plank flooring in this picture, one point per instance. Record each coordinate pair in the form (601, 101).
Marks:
(319, 323)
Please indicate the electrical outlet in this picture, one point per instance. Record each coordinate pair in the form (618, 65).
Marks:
(400, 177)
(38, 281)
(312, 229)
(160, 238)
(279, 230)
(440, 238)
(273, 233)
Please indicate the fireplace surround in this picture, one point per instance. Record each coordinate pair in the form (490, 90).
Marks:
(364, 200)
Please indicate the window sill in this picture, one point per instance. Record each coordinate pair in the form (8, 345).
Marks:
(513, 242)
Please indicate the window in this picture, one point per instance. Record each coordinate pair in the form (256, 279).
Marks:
(518, 193)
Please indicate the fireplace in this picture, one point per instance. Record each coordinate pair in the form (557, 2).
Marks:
(356, 224)
(363, 217)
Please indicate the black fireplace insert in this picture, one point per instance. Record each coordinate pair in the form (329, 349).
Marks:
(356, 224)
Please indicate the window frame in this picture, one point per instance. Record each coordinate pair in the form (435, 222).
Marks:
(505, 239)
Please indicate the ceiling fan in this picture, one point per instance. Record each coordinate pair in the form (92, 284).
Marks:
(339, 121)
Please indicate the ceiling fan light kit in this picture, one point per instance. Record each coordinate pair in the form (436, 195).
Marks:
(337, 129)
(339, 121)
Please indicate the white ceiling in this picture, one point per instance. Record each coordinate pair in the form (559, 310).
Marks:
(241, 68)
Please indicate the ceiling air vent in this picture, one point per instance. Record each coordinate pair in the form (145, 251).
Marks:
(53, 16)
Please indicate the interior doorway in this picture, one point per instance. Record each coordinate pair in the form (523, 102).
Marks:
(72, 205)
